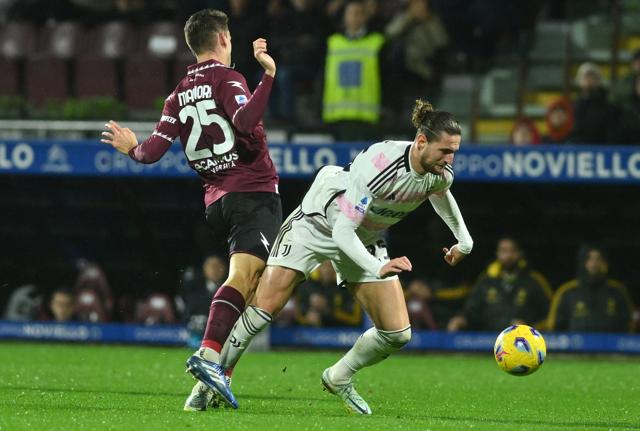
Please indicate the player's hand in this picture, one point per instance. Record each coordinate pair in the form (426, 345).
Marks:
(456, 323)
(395, 266)
(265, 60)
(453, 255)
(120, 138)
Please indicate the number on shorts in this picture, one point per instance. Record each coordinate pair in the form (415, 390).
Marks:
(201, 117)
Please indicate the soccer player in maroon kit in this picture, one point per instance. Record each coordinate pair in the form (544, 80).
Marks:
(218, 121)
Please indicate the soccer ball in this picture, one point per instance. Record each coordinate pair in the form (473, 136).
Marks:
(520, 350)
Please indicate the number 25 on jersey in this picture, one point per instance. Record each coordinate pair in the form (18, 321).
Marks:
(201, 117)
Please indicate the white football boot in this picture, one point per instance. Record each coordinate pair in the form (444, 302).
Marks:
(212, 375)
(353, 402)
(200, 397)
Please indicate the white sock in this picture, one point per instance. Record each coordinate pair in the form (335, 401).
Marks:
(250, 323)
(371, 347)
(209, 354)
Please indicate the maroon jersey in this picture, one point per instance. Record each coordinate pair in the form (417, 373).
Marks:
(219, 123)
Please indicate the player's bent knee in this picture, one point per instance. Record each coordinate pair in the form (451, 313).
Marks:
(275, 289)
(245, 282)
(396, 339)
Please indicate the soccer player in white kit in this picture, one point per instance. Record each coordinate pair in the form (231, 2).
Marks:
(340, 219)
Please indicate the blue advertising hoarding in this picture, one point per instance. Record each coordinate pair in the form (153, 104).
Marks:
(305, 337)
(558, 164)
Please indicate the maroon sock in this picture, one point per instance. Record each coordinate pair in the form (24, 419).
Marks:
(226, 307)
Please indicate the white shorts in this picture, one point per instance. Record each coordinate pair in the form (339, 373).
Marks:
(304, 242)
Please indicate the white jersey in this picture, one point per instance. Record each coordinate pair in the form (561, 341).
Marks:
(374, 192)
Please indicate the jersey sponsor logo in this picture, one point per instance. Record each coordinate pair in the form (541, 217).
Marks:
(362, 205)
(168, 119)
(196, 93)
(216, 164)
(386, 212)
(241, 99)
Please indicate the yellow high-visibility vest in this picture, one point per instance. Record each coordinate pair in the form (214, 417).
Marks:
(352, 78)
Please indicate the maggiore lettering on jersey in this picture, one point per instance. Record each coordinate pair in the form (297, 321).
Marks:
(196, 93)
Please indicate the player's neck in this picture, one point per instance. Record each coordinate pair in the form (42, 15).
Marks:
(207, 56)
(414, 161)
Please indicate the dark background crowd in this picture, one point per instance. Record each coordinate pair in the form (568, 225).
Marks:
(76, 59)
(508, 291)
(86, 250)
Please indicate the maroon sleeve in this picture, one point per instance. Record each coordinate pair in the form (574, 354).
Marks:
(166, 131)
(243, 108)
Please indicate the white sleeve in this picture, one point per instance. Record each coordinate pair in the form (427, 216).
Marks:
(353, 206)
(446, 207)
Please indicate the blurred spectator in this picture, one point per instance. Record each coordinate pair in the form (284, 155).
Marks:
(559, 119)
(195, 292)
(352, 80)
(89, 306)
(508, 293)
(525, 132)
(24, 303)
(594, 116)
(446, 301)
(155, 310)
(289, 313)
(314, 307)
(591, 302)
(322, 303)
(418, 295)
(417, 39)
(345, 310)
(625, 89)
(62, 305)
(92, 277)
(314, 304)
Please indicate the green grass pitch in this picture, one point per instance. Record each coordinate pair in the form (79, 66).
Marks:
(75, 387)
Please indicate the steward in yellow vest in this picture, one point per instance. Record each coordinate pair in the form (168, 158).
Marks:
(352, 71)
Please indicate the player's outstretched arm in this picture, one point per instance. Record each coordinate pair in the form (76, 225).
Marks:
(154, 147)
(446, 207)
(245, 117)
(266, 61)
(120, 138)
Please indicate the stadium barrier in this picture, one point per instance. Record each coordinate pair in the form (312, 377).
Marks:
(539, 163)
(303, 337)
